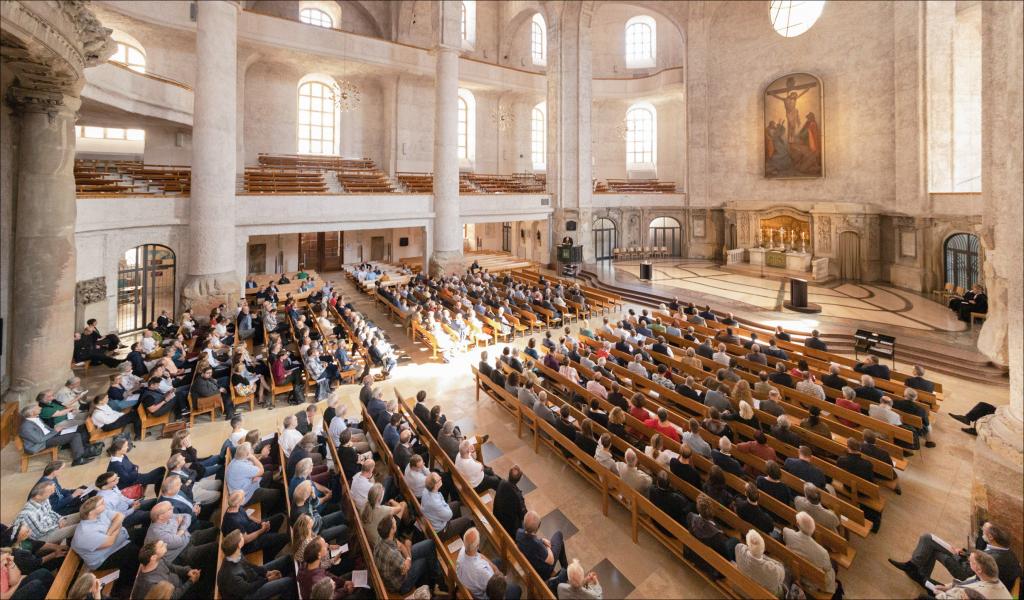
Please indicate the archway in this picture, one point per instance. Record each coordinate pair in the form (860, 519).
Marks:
(145, 286)
(604, 238)
(666, 232)
(960, 255)
(849, 255)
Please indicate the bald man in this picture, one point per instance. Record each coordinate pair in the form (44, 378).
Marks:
(543, 553)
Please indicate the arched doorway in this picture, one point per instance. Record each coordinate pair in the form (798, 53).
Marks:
(849, 255)
(666, 232)
(604, 238)
(145, 286)
(961, 258)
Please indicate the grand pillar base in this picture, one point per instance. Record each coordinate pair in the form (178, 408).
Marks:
(451, 262)
(998, 476)
(202, 293)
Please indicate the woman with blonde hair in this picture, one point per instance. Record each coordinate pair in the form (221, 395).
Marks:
(374, 512)
(744, 415)
(741, 391)
(331, 525)
(86, 587)
(692, 360)
(617, 422)
(656, 450)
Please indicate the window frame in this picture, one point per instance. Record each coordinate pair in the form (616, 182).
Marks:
(108, 133)
(322, 16)
(635, 28)
(466, 127)
(305, 143)
(127, 62)
(647, 143)
(539, 138)
(778, 9)
(538, 40)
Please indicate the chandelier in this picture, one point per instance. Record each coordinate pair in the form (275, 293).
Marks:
(504, 118)
(622, 131)
(346, 96)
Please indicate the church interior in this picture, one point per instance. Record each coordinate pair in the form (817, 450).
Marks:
(490, 299)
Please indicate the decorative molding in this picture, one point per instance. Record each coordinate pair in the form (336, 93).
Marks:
(91, 291)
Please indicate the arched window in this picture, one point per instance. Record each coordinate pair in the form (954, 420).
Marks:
(318, 117)
(315, 16)
(538, 40)
(130, 56)
(641, 42)
(467, 22)
(604, 239)
(145, 286)
(665, 232)
(790, 18)
(539, 136)
(961, 257)
(467, 125)
(641, 135)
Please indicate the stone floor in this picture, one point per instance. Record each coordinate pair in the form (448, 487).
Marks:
(935, 489)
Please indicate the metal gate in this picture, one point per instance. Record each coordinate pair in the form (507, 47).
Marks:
(961, 256)
(604, 239)
(145, 286)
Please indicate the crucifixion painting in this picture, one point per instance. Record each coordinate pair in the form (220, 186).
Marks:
(793, 127)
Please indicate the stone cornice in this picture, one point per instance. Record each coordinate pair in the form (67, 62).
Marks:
(49, 44)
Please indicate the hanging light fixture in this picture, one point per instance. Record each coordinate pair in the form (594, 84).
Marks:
(503, 118)
(346, 95)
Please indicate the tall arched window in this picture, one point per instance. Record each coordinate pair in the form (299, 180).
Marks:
(318, 117)
(467, 125)
(315, 16)
(129, 56)
(641, 135)
(464, 21)
(667, 233)
(539, 136)
(467, 21)
(538, 40)
(641, 42)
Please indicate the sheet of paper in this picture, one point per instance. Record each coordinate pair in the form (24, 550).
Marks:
(339, 550)
(472, 440)
(269, 436)
(455, 546)
(249, 511)
(757, 404)
(69, 429)
(88, 489)
(943, 543)
(359, 579)
(109, 578)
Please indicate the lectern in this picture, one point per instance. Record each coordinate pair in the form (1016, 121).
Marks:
(798, 297)
(646, 271)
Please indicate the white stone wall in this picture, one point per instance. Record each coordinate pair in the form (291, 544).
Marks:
(162, 147)
(8, 176)
(609, 40)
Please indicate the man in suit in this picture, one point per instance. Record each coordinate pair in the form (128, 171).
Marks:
(872, 367)
(484, 366)
(802, 467)
(683, 468)
(748, 509)
(246, 580)
(706, 350)
(687, 389)
(781, 377)
(908, 404)
(420, 410)
(853, 462)
(723, 457)
(305, 418)
(832, 379)
(509, 505)
(992, 540)
(366, 392)
(814, 342)
(671, 502)
(36, 436)
(918, 382)
(867, 389)
(977, 304)
(707, 314)
(810, 503)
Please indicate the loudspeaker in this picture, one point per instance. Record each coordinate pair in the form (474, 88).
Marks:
(570, 225)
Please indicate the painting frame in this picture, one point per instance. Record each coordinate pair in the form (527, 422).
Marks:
(809, 162)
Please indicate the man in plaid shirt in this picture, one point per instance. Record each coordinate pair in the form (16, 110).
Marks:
(44, 524)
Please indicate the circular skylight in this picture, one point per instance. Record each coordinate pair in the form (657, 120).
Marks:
(790, 18)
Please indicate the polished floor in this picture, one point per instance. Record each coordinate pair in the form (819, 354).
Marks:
(880, 304)
(936, 490)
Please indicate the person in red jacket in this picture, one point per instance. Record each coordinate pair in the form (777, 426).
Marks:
(662, 426)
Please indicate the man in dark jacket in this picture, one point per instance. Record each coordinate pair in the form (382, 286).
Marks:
(748, 509)
(238, 578)
(872, 367)
(671, 502)
(780, 376)
(802, 467)
(723, 457)
(509, 505)
(205, 386)
(814, 342)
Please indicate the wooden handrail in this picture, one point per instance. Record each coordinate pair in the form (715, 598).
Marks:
(153, 76)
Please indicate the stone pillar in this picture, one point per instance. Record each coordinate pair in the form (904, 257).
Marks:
(999, 452)
(43, 315)
(212, 278)
(447, 228)
(569, 106)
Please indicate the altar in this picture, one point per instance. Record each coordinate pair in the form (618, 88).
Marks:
(780, 259)
(780, 239)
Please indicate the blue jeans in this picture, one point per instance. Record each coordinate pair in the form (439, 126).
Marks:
(424, 566)
(285, 586)
(123, 405)
(211, 465)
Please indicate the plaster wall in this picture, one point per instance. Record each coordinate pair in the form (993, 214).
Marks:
(609, 149)
(356, 17)
(162, 146)
(967, 101)
(851, 49)
(608, 35)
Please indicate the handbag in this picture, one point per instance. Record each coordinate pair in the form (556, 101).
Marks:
(133, 492)
(245, 389)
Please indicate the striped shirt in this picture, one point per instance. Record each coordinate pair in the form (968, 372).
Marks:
(39, 517)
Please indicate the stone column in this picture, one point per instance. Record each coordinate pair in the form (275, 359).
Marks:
(999, 452)
(43, 315)
(447, 247)
(212, 278)
(569, 105)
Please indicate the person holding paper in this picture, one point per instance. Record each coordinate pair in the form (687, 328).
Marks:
(135, 512)
(405, 566)
(993, 540)
(239, 579)
(313, 572)
(102, 543)
(480, 476)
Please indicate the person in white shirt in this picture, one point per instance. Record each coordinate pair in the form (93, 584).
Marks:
(362, 482)
(810, 387)
(985, 580)
(116, 502)
(238, 432)
(722, 357)
(290, 436)
(478, 475)
(603, 454)
(473, 569)
(883, 412)
(148, 343)
(635, 366)
(108, 419)
(416, 475)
